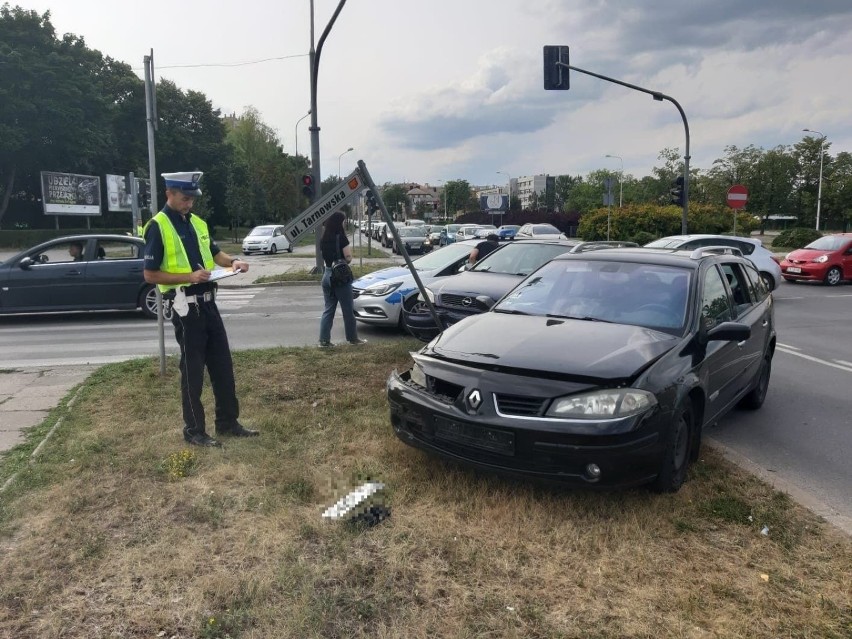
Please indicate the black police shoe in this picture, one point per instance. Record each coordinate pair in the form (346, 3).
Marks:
(199, 439)
(237, 430)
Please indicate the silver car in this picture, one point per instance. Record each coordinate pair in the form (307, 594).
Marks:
(751, 248)
(381, 295)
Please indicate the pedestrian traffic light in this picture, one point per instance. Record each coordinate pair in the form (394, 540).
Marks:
(677, 192)
(556, 68)
(308, 186)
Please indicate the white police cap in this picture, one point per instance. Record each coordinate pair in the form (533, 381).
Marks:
(187, 182)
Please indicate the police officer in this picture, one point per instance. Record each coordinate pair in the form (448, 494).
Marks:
(179, 256)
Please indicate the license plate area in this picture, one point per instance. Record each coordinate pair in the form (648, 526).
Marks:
(794, 269)
(475, 436)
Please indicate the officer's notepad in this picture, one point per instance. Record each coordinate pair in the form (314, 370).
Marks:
(220, 273)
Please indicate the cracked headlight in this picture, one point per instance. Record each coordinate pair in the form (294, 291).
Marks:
(606, 404)
(417, 375)
(381, 289)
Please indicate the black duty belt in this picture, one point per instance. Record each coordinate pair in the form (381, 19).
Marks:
(207, 296)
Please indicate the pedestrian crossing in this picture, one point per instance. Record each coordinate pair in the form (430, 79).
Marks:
(230, 299)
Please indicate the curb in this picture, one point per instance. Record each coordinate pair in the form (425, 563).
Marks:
(799, 495)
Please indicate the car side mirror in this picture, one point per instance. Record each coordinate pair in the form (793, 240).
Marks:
(26, 263)
(729, 332)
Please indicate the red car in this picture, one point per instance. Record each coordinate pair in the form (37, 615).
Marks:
(828, 260)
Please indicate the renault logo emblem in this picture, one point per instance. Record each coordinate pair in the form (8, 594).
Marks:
(467, 301)
(474, 399)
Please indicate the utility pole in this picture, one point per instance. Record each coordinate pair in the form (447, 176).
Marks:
(313, 60)
(151, 117)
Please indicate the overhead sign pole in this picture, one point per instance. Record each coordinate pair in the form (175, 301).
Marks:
(556, 78)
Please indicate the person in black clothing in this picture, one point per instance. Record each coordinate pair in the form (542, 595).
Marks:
(334, 246)
(75, 250)
(484, 248)
(179, 257)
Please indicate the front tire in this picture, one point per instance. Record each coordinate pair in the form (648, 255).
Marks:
(833, 277)
(677, 455)
(273, 249)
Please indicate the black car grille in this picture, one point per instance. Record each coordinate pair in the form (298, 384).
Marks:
(520, 406)
(465, 302)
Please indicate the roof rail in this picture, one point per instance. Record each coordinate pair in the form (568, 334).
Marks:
(703, 251)
(594, 245)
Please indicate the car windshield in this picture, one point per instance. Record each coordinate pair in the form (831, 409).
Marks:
(519, 259)
(540, 229)
(410, 231)
(262, 231)
(452, 228)
(827, 243)
(442, 258)
(647, 295)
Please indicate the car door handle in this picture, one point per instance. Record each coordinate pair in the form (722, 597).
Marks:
(765, 323)
(72, 273)
(742, 343)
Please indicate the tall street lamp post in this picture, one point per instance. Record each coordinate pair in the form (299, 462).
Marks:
(445, 198)
(338, 160)
(819, 187)
(296, 133)
(620, 179)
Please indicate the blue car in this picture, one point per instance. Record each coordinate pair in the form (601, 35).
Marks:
(507, 232)
(381, 295)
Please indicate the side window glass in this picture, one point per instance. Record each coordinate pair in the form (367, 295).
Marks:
(757, 287)
(62, 252)
(117, 250)
(715, 305)
(746, 247)
(739, 285)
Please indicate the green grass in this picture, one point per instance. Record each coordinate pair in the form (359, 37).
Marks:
(120, 529)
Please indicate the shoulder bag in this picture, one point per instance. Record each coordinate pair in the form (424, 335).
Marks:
(340, 271)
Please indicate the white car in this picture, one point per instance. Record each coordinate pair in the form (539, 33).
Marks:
(466, 232)
(268, 238)
(751, 248)
(539, 232)
(381, 295)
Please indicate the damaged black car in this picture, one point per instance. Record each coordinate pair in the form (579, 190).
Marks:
(599, 369)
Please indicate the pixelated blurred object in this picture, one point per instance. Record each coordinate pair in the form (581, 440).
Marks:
(365, 504)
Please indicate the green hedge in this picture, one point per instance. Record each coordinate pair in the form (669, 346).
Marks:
(796, 237)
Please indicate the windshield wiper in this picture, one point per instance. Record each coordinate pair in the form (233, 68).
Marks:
(586, 318)
(509, 311)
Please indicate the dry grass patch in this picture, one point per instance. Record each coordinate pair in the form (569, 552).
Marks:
(118, 532)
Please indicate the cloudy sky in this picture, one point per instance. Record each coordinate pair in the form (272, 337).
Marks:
(452, 89)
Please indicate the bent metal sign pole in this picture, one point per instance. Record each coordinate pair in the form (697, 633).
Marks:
(349, 189)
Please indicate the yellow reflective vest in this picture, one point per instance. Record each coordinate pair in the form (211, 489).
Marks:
(175, 259)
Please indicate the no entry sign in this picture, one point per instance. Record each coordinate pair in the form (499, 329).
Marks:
(737, 196)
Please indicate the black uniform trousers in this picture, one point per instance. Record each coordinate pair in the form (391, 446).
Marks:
(204, 343)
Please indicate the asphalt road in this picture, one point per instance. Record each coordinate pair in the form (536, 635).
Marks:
(803, 433)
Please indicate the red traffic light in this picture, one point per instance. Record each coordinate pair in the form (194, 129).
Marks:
(308, 185)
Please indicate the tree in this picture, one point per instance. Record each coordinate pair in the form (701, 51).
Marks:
(459, 196)
(54, 114)
(393, 195)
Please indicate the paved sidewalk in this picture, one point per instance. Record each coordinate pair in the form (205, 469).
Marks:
(28, 395)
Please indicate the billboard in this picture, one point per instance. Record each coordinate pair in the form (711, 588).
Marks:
(70, 194)
(118, 197)
(494, 202)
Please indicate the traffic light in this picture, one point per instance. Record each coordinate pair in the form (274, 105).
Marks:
(372, 203)
(144, 193)
(555, 68)
(677, 192)
(308, 186)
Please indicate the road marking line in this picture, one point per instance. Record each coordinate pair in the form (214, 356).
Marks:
(848, 369)
(844, 363)
(792, 348)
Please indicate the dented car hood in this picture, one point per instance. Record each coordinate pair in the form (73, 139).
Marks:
(573, 348)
